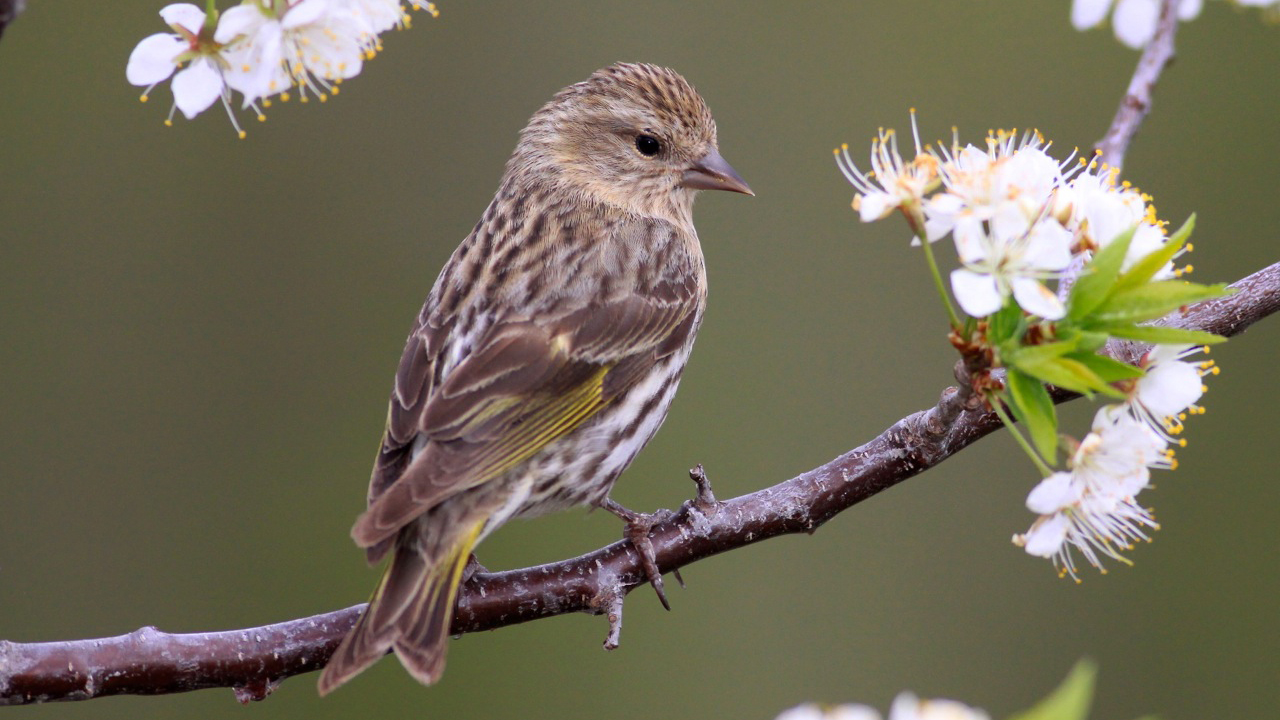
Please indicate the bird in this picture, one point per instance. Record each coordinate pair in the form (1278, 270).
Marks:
(547, 352)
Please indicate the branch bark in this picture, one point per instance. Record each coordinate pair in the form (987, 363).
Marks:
(255, 660)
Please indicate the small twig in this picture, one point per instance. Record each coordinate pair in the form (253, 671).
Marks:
(1137, 100)
(149, 662)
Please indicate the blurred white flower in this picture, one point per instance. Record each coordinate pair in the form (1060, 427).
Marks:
(814, 711)
(905, 707)
(908, 707)
(1133, 21)
(196, 86)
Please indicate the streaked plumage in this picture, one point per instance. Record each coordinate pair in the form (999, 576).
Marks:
(548, 350)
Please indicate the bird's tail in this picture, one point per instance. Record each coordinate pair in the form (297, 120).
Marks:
(410, 611)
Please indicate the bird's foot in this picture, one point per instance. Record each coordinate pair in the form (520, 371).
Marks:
(637, 533)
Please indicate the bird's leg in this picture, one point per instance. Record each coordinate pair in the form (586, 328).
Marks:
(637, 532)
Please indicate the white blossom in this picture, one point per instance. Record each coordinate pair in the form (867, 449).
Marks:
(892, 183)
(1169, 389)
(314, 44)
(1092, 509)
(1010, 257)
(160, 56)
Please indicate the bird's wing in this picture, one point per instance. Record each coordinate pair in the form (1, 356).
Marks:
(526, 384)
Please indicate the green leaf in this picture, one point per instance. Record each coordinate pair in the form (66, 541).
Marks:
(1039, 353)
(1092, 341)
(1098, 278)
(1109, 369)
(1068, 374)
(1152, 300)
(1071, 699)
(1148, 266)
(1034, 408)
(1004, 324)
(1165, 335)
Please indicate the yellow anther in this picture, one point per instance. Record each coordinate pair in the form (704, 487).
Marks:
(284, 97)
(168, 123)
(335, 90)
(324, 98)
(242, 134)
(262, 118)
(266, 102)
(142, 98)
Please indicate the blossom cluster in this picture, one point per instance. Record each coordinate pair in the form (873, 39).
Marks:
(1019, 218)
(262, 49)
(1134, 21)
(1091, 508)
(905, 707)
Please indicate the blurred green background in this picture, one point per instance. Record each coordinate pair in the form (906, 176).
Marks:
(199, 334)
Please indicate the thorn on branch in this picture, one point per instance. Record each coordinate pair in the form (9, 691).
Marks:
(705, 500)
(608, 602)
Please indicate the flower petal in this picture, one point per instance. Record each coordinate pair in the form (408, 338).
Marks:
(876, 205)
(304, 13)
(237, 21)
(152, 60)
(1036, 298)
(1046, 536)
(1053, 494)
(1086, 14)
(977, 294)
(1189, 9)
(1134, 22)
(183, 15)
(196, 87)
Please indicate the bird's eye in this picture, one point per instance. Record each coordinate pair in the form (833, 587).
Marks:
(648, 145)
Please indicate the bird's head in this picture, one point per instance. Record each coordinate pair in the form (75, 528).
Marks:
(632, 135)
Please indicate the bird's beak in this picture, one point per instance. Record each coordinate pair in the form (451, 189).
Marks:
(712, 172)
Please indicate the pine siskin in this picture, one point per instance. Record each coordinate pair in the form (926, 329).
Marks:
(547, 352)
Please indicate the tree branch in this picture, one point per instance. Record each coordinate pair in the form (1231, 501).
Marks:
(254, 661)
(1137, 100)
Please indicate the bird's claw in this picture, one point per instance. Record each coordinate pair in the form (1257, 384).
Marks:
(637, 533)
